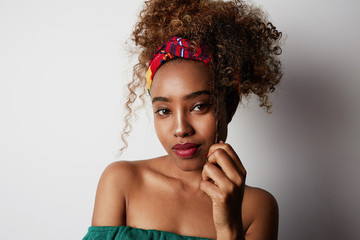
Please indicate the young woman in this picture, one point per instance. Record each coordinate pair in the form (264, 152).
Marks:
(197, 60)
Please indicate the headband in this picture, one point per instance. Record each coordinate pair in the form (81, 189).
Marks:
(176, 47)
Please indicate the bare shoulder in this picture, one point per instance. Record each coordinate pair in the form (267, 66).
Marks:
(260, 199)
(120, 172)
(114, 185)
(261, 214)
(119, 176)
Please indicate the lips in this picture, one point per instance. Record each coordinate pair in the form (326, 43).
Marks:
(186, 150)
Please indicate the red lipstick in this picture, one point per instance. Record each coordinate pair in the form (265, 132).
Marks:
(186, 150)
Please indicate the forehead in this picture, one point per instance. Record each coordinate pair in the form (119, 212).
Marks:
(181, 78)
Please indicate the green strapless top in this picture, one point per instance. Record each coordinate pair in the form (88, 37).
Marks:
(129, 233)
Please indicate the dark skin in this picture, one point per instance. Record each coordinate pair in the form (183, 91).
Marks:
(204, 195)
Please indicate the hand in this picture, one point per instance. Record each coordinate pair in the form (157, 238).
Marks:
(224, 182)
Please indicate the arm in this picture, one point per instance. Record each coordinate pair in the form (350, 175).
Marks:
(264, 214)
(239, 212)
(110, 201)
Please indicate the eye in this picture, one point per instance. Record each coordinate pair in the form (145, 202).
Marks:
(163, 112)
(202, 107)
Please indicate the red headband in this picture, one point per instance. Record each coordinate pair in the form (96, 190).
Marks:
(176, 47)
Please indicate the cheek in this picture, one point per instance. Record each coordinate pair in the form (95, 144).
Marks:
(207, 127)
(161, 129)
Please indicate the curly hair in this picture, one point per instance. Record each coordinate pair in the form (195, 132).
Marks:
(243, 45)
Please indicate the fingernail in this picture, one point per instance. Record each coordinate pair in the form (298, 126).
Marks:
(221, 141)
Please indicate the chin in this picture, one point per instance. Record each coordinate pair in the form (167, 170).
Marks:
(189, 165)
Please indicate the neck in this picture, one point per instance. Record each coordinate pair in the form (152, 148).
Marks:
(189, 178)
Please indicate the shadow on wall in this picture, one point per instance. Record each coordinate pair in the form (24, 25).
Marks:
(318, 199)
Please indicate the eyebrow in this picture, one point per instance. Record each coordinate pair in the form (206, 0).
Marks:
(187, 97)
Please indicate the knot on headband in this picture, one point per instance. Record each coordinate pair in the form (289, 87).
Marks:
(176, 47)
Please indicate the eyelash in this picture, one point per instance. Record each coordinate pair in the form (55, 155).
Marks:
(158, 112)
(203, 107)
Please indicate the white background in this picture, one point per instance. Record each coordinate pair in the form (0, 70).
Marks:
(62, 71)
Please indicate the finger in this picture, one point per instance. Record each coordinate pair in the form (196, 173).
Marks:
(232, 156)
(227, 167)
(211, 190)
(204, 175)
(229, 150)
(219, 177)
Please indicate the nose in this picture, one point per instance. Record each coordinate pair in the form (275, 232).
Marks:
(182, 125)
